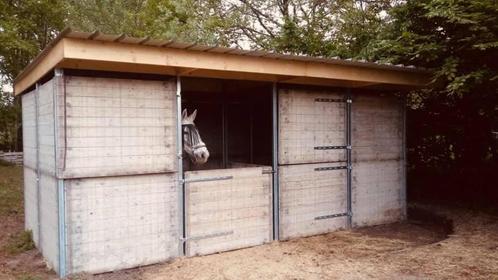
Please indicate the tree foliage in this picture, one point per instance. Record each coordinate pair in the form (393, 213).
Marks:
(450, 124)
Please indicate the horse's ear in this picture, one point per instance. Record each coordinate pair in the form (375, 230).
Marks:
(184, 114)
(192, 117)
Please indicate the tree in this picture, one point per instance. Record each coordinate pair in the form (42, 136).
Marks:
(183, 20)
(312, 27)
(26, 27)
(451, 124)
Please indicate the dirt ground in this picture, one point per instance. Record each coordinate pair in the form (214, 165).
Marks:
(462, 245)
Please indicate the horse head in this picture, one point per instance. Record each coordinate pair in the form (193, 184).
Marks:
(192, 142)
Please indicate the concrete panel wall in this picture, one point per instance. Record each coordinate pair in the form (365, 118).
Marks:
(118, 127)
(29, 129)
(46, 124)
(307, 119)
(228, 214)
(40, 184)
(311, 118)
(121, 222)
(49, 217)
(29, 159)
(306, 194)
(49, 227)
(378, 175)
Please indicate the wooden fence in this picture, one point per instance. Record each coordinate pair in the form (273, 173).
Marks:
(11, 157)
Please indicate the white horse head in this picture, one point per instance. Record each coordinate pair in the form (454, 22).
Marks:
(192, 142)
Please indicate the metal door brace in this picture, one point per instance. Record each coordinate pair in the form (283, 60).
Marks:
(212, 235)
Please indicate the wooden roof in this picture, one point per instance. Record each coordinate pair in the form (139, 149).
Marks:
(105, 52)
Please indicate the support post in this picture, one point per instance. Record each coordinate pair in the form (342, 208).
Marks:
(61, 192)
(38, 173)
(404, 158)
(224, 132)
(276, 190)
(181, 184)
(349, 102)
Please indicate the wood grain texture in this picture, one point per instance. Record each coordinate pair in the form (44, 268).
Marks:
(305, 123)
(306, 194)
(239, 209)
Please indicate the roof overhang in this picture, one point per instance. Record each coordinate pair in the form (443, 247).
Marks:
(96, 51)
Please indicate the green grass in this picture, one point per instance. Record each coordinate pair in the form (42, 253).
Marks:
(11, 204)
(11, 190)
(28, 277)
(20, 242)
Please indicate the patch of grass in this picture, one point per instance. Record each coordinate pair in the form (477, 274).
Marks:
(20, 242)
(27, 277)
(5, 163)
(11, 190)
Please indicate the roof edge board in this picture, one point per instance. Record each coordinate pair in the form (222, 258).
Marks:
(175, 57)
(45, 63)
(95, 38)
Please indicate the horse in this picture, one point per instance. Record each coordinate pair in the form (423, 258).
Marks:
(192, 143)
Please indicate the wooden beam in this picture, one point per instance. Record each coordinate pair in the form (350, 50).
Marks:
(37, 71)
(170, 57)
(78, 53)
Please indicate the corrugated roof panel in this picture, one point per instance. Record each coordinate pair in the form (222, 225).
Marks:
(256, 53)
(179, 45)
(155, 42)
(237, 51)
(106, 37)
(130, 40)
(201, 48)
(78, 34)
(220, 50)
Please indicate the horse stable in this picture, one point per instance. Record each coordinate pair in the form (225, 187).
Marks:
(138, 151)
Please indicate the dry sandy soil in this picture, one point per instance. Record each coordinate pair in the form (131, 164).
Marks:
(409, 250)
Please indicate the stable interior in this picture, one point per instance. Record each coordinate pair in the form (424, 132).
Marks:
(234, 119)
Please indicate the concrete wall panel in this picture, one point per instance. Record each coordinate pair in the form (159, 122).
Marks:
(307, 119)
(46, 128)
(121, 222)
(118, 127)
(29, 129)
(49, 218)
(306, 194)
(29, 159)
(378, 175)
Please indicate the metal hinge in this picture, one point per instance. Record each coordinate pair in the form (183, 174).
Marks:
(331, 216)
(329, 100)
(330, 147)
(330, 168)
